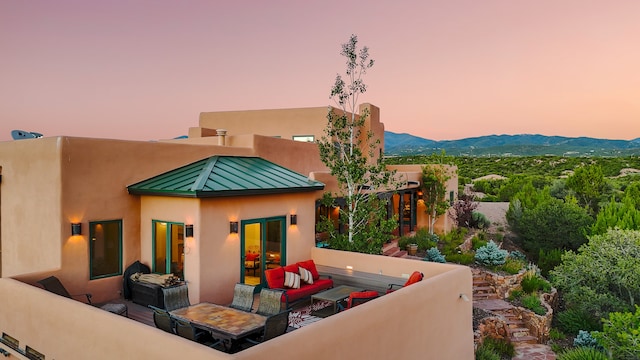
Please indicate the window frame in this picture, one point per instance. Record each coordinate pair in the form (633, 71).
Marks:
(92, 225)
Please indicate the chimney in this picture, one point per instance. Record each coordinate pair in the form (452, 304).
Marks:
(222, 133)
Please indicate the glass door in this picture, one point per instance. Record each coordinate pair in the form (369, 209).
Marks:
(262, 247)
(168, 248)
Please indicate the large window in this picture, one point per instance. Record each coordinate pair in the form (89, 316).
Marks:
(168, 248)
(105, 248)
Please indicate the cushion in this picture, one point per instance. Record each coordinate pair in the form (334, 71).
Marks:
(311, 266)
(291, 280)
(275, 277)
(360, 295)
(306, 276)
(251, 256)
(414, 278)
(291, 268)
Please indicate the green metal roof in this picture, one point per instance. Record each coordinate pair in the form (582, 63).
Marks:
(226, 176)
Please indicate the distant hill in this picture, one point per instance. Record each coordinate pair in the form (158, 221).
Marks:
(505, 145)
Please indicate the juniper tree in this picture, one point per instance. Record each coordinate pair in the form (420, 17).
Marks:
(349, 151)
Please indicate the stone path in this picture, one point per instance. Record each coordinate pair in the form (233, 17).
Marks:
(534, 352)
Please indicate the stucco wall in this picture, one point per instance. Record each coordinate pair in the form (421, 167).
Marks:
(212, 256)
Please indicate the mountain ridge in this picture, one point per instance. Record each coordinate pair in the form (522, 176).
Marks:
(398, 144)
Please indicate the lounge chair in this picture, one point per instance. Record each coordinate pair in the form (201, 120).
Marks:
(53, 284)
(415, 277)
(358, 297)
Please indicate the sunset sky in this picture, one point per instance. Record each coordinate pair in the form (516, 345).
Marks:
(445, 70)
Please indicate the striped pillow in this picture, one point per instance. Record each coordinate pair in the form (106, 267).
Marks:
(305, 275)
(291, 280)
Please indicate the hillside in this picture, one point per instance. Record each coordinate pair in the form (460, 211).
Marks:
(505, 145)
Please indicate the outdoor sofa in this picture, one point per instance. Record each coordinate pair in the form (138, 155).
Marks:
(299, 281)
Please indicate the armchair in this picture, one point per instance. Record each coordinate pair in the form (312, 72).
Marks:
(358, 297)
(415, 277)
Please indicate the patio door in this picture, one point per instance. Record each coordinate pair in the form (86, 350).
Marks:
(262, 246)
(168, 248)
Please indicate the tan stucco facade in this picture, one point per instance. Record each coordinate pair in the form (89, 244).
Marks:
(49, 183)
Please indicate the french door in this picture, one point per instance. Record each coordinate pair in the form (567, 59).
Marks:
(168, 248)
(262, 246)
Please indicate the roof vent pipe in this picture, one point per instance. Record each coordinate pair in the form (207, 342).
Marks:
(222, 133)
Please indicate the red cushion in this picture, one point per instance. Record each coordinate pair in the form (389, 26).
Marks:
(275, 277)
(293, 268)
(251, 257)
(311, 266)
(414, 278)
(307, 290)
(361, 295)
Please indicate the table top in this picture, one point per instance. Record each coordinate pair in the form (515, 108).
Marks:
(221, 320)
(336, 294)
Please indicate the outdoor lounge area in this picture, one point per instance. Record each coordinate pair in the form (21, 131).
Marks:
(436, 298)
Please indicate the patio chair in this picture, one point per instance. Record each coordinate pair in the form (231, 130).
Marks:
(243, 297)
(270, 302)
(176, 297)
(415, 277)
(53, 284)
(274, 326)
(252, 262)
(188, 331)
(358, 297)
(163, 320)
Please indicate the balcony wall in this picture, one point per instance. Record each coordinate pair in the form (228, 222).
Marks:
(427, 320)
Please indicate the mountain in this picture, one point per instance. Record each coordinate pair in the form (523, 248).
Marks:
(515, 145)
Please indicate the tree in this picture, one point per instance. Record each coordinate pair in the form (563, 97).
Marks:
(589, 184)
(349, 152)
(434, 189)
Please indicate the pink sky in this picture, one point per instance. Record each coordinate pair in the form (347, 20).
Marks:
(144, 70)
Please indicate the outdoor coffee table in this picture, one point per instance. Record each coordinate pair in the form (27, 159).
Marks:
(334, 295)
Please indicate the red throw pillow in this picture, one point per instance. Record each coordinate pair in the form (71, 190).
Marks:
(414, 278)
(251, 257)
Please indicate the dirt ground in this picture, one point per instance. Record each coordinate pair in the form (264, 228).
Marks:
(495, 212)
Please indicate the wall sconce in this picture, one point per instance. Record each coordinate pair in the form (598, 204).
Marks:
(188, 230)
(233, 227)
(294, 219)
(76, 229)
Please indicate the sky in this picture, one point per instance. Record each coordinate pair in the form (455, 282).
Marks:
(444, 70)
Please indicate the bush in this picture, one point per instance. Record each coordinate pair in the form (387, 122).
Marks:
(491, 255)
(584, 339)
(403, 241)
(479, 220)
(582, 353)
(532, 283)
(424, 239)
(555, 334)
(512, 266)
(461, 258)
(532, 302)
(501, 347)
(549, 259)
(621, 335)
(572, 320)
(483, 353)
(434, 255)
(517, 255)
(515, 294)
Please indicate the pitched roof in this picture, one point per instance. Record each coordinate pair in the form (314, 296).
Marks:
(219, 176)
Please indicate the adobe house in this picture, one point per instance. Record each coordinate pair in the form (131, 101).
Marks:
(116, 187)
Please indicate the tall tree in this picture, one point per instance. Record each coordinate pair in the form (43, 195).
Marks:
(589, 184)
(434, 189)
(349, 151)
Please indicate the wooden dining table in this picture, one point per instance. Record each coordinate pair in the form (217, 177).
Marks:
(223, 322)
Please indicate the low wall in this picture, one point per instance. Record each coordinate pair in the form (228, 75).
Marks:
(427, 320)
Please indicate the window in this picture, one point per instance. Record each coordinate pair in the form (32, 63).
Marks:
(304, 138)
(105, 248)
(168, 248)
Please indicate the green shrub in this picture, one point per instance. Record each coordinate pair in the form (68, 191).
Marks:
(461, 258)
(501, 347)
(517, 255)
(556, 334)
(424, 239)
(434, 255)
(512, 266)
(477, 242)
(621, 335)
(491, 255)
(549, 259)
(479, 220)
(585, 339)
(452, 240)
(572, 320)
(403, 241)
(582, 353)
(515, 294)
(532, 283)
(483, 353)
(532, 302)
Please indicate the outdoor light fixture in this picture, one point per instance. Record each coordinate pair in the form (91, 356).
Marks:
(76, 229)
(188, 230)
(233, 227)
(294, 219)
